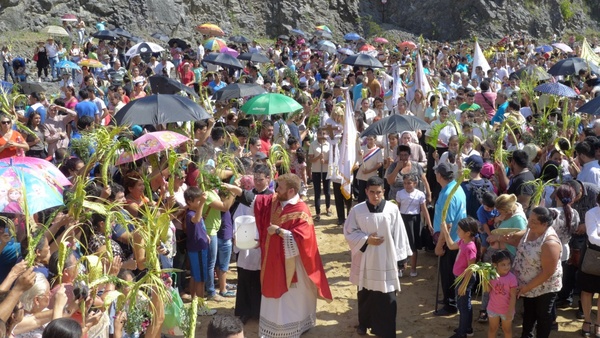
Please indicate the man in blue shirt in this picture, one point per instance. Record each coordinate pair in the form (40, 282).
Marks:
(502, 104)
(457, 210)
(35, 105)
(217, 84)
(357, 90)
(86, 107)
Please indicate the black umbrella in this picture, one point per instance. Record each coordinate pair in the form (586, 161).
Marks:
(31, 87)
(239, 39)
(362, 60)
(122, 32)
(237, 90)
(534, 72)
(160, 36)
(164, 85)
(136, 39)
(180, 43)
(105, 35)
(223, 60)
(572, 66)
(395, 124)
(592, 107)
(254, 57)
(160, 109)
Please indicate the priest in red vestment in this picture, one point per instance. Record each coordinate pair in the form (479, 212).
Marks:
(292, 274)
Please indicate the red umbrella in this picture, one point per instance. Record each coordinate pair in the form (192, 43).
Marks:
(366, 48)
(407, 44)
(380, 40)
(69, 17)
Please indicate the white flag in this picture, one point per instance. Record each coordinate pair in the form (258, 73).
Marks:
(348, 149)
(479, 60)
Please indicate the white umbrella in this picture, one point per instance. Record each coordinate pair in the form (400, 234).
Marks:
(55, 30)
(143, 47)
(563, 47)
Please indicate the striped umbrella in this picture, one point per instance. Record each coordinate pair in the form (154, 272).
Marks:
(215, 44)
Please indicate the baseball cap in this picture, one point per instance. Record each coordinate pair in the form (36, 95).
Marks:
(445, 169)
(487, 170)
(474, 162)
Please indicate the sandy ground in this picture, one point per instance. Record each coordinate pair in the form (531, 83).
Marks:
(416, 301)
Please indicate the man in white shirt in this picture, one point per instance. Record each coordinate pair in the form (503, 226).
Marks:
(201, 51)
(590, 169)
(52, 52)
(164, 67)
(255, 47)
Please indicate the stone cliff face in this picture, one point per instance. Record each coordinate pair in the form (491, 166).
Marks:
(435, 19)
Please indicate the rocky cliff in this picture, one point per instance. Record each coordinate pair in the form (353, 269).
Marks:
(435, 19)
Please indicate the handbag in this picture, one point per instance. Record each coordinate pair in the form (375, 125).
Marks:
(590, 263)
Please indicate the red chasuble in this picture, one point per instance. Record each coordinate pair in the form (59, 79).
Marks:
(297, 219)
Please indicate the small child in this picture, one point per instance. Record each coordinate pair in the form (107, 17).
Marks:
(197, 242)
(486, 215)
(503, 295)
(468, 253)
(298, 164)
(413, 204)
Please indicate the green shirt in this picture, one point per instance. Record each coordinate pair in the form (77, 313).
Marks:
(212, 216)
(516, 222)
(465, 106)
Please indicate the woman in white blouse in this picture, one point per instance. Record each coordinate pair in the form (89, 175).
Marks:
(590, 284)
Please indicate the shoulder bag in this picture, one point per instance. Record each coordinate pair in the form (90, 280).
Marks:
(590, 263)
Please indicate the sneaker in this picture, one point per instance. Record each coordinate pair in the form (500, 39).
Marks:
(470, 332)
(413, 274)
(206, 311)
(400, 274)
(39, 79)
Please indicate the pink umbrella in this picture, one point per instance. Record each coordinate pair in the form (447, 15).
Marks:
(230, 51)
(366, 48)
(69, 17)
(563, 47)
(380, 40)
(46, 169)
(152, 143)
(407, 44)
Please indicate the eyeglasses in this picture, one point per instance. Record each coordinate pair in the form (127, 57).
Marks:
(6, 122)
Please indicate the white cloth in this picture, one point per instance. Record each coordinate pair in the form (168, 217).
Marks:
(376, 268)
(592, 225)
(590, 172)
(410, 202)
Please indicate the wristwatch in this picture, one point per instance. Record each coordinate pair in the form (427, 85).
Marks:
(278, 231)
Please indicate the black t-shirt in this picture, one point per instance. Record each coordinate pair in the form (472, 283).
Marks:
(518, 184)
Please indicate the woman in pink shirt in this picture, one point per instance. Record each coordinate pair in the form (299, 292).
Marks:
(486, 98)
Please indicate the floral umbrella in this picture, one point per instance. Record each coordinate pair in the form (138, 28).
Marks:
(152, 143)
(215, 44)
(30, 182)
(210, 29)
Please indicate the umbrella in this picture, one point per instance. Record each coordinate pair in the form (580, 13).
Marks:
(41, 188)
(323, 28)
(223, 60)
(91, 63)
(69, 17)
(323, 34)
(270, 104)
(6, 86)
(160, 36)
(592, 107)
(239, 39)
(296, 31)
(380, 40)
(31, 87)
(105, 35)
(230, 51)
(215, 44)
(283, 37)
(136, 39)
(123, 33)
(362, 60)
(55, 30)
(180, 43)
(366, 48)
(152, 143)
(210, 29)
(327, 46)
(66, 64)
(144, 47)
(254, 57)
(237, 90)
(558, 89)
(164, 85)
(352, 36)
(395, 124)
(535, 72)
(345, 51)
(407, 44)
(562, 46)
(543, 49)
(52, 173)
(159, 109)
(572, 66)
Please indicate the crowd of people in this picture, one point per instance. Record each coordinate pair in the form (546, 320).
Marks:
(410, 192)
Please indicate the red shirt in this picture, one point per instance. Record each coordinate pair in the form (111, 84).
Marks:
(265, 146)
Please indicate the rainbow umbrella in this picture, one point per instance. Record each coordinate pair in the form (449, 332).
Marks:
(91, 63)
(210, 29)
(323, 28)
(152, 143)
(215, 44)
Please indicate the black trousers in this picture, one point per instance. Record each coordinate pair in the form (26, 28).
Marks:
(248, 296)
(447, 278)
(362, 191)
(342, 205)
(537, 314)
(377, 311)
(319, 178)
(179, 259)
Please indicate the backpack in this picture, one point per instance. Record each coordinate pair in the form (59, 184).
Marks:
(474, 194)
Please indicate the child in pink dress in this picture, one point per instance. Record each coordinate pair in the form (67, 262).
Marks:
(503, 295)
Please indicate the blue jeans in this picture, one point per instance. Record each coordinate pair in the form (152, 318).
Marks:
(53, 69)
(224, 254)
(463, 303)
(8, 70)
(209, 284)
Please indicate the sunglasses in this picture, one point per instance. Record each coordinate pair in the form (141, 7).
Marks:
(6, 122)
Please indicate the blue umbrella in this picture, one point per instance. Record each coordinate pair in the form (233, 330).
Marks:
(352, 37)
(592, 107)
(5, 86)
(543, 49)
(345, 51)
(296, 31)
(558, 89)
(68, 64)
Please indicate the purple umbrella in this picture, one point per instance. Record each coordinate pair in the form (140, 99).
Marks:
(230, 51)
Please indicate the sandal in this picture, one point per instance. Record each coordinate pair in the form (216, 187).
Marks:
(588, 332)
(483, 316)
(228, 294)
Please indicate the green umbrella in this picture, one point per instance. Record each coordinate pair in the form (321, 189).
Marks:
(270, 104)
